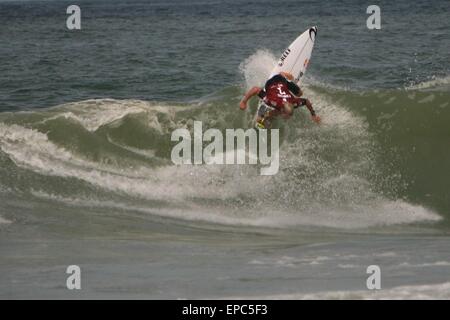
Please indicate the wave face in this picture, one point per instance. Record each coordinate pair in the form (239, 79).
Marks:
(375, 161)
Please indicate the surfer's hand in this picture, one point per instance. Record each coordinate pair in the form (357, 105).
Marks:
(243, 105)
(316, 119)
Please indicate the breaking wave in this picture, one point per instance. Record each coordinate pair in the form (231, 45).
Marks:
(116, 153)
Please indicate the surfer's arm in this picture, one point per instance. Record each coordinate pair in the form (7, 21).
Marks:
(252, 92)
(315, 117)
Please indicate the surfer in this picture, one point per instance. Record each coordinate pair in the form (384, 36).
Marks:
(280, 96)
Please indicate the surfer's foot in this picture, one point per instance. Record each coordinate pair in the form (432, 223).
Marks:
(262, 124)
(259, 125)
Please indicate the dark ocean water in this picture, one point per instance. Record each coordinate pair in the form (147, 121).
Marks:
(182, 50)
(85, 173)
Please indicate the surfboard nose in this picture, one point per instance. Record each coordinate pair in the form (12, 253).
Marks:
(313, 30)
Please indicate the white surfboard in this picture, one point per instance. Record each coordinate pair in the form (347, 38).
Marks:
(296, 57)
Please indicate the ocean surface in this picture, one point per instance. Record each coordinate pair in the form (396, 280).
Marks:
(86, 177)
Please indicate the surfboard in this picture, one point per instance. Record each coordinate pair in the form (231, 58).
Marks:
(295, 59)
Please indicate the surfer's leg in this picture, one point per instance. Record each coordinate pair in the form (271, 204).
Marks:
(288, 110)
(260, 114)
(263, 117)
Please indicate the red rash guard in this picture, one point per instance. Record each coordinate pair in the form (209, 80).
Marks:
(277, 95)
(278, 92)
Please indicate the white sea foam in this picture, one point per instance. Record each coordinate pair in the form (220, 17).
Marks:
(257, 68)
(417, 292)
(195, 212)
(148, 153)
(3, 220)
(93, 114)
(425, 265)
(290, 262)
(435, 82)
